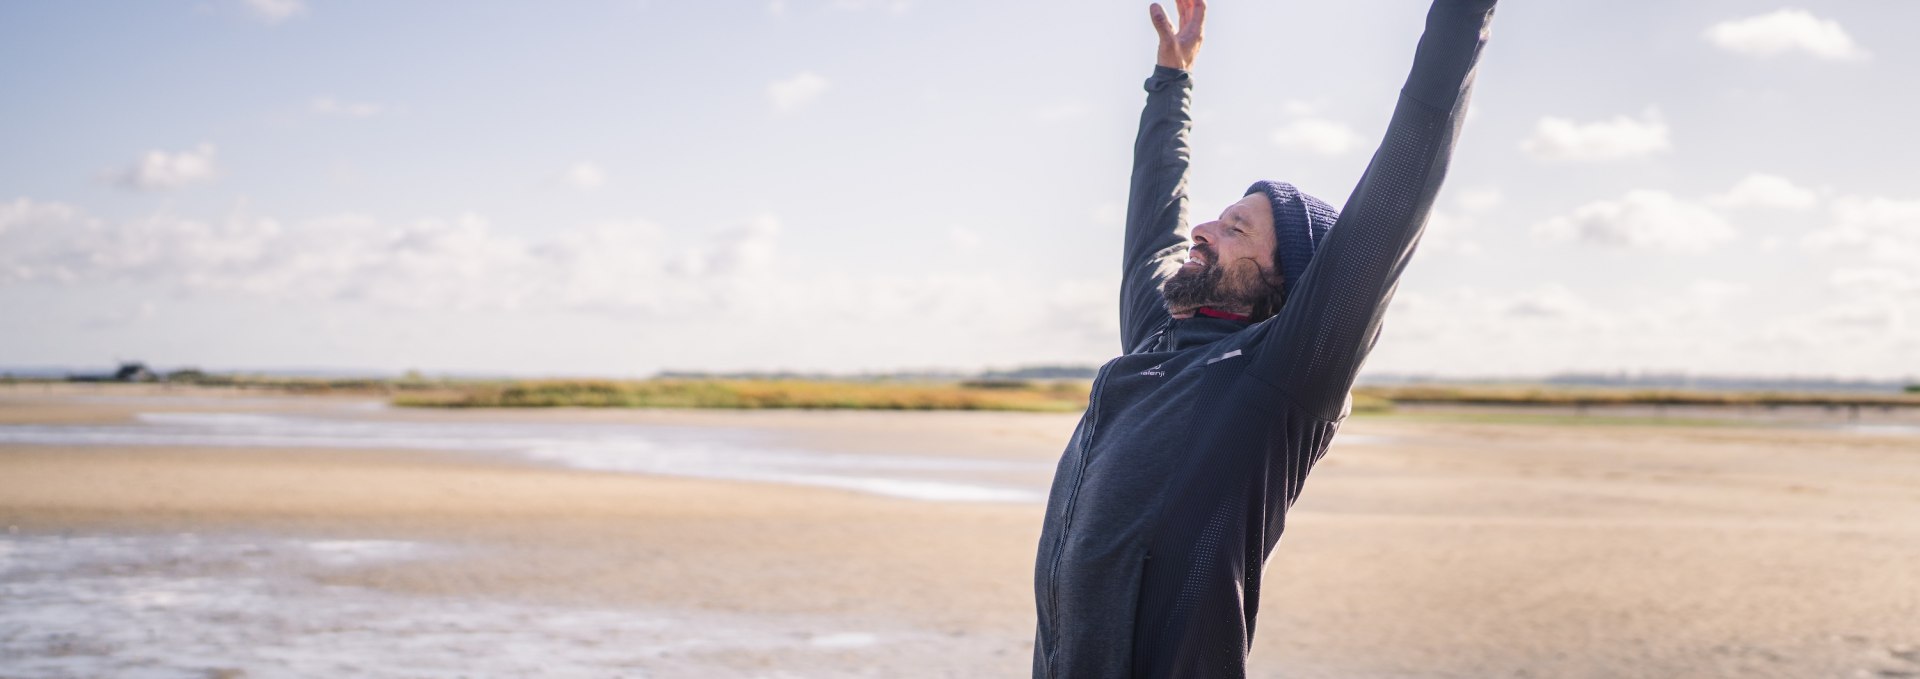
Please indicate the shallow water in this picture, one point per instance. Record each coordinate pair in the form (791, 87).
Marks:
(701, 452)
(190, 605)
(688, 451)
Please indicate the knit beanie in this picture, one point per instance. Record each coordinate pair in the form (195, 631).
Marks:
(1300, 225)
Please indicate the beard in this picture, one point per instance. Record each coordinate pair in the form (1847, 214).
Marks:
(1232, 285)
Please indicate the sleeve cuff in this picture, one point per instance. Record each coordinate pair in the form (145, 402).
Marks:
(1163, 76)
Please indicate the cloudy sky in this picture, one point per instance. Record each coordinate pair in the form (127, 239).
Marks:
(620, 187)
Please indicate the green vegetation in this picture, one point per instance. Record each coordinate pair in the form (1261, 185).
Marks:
(994, 392)
(1559, 417)
(1523, 395)
(1370, 404)
(1051, 396)
(308, 385)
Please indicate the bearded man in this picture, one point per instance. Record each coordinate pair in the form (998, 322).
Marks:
(1242, 339)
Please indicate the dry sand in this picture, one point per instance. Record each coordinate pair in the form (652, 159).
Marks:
(1424, 549)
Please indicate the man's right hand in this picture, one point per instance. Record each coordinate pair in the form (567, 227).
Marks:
(1178, 47)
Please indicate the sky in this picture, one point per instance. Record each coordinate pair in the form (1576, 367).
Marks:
(616, 188)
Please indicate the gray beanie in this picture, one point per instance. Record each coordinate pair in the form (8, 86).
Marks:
(1300, 225)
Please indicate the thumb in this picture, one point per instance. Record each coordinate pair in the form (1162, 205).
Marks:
(1160, 23)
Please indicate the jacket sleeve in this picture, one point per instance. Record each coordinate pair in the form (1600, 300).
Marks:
(1156, 230)
(1317, 342)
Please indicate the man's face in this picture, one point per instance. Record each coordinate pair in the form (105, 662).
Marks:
(1230, 266)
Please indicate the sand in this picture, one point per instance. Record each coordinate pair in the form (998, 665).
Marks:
(1427, 548)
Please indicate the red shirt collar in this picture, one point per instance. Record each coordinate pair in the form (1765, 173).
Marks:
(1216, 313)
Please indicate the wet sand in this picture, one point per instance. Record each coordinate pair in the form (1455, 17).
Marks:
(1426, 548)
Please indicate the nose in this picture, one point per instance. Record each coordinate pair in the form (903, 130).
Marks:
(1203, 233)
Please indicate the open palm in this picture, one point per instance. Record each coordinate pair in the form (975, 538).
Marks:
(1178, 46)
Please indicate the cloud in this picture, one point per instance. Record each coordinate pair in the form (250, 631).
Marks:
(1554, 302)
(1617, 138)
(1786, 31)
(725, 289)
(1481, 200)
(1449, 233)
(1887, 229)
(1642, 219)
(585, 176)
(1715, 291)
(328, 106)
(1875, 281)
(275, 11)
(1318, 136)
(160, 170)
(459, 263)
(1766, 191)
(791, 94)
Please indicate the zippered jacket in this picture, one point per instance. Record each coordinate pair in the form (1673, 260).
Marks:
(1175, 486)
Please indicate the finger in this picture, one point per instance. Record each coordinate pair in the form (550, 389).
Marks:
(1185, 8)
(1160, 23)
(1195, 14)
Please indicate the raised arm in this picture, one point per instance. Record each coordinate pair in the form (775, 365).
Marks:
(1156, 230)
(1318, 340)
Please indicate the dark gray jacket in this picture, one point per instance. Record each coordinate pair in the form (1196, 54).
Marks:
(1175, 486)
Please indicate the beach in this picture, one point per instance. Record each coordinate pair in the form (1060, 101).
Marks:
(169, 532)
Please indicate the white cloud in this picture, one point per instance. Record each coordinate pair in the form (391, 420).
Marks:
(1766, 191)
(1449, 234)
(1481, 200)
(1642, 219)
(329, 106)
(1554, 302)
(733, 281)
(275, 11)
(1785, 31)
(1714, 291)
(460, 263)
(160, 170)
(1617, 138)
(1318, 136)
(585, 176)
(1884, 228)
(791, 94)
(1875, 281)
(777, 7)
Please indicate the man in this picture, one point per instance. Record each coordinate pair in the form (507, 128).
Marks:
(1174, 488)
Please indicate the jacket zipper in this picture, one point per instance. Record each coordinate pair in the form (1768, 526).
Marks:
(1073, 497)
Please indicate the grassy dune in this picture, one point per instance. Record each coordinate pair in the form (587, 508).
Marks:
(1049, 396)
